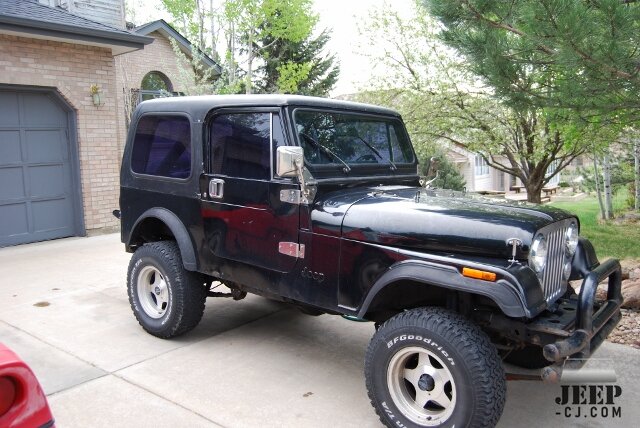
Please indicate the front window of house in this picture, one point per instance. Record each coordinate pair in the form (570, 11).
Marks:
(482, 168)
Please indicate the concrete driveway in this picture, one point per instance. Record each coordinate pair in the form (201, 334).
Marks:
(253, 363)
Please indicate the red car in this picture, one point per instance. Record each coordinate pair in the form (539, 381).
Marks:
(22, 401)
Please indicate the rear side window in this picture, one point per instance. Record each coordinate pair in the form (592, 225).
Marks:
(162, 146)
(241, 145)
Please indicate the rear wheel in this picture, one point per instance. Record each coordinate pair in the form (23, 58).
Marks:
(429, 366)
(166, 299)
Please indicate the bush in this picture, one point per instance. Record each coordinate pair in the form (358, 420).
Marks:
(563, 184)
(448, 175)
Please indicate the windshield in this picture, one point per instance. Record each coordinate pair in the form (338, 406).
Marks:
(348, 139)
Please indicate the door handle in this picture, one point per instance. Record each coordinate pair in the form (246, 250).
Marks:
(216, 188)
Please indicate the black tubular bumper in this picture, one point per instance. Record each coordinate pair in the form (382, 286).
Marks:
(590, 329)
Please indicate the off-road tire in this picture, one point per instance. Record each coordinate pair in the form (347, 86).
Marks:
(455, 347)
(186, 291)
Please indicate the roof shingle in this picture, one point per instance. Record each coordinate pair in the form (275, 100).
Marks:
(31, 9)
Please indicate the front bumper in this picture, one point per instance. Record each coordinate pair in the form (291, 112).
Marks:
(592, 323)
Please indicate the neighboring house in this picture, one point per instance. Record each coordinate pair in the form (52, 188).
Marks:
(60, 146)
(479, 176)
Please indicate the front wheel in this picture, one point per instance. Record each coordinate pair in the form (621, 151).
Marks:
(432, 367)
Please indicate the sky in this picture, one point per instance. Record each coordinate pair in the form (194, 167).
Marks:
(342, 16)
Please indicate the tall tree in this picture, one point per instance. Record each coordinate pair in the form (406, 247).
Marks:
(317, 72)
(256, 20)
(584, 52)
(186, 17)
(441, 99)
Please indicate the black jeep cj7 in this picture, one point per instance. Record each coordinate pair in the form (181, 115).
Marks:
(318, 203)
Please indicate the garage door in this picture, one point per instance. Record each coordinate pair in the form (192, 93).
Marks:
(37, 191)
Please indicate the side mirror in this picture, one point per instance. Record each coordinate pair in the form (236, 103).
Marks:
(287, 158)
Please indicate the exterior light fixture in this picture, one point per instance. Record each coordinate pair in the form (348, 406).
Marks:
(96, 95)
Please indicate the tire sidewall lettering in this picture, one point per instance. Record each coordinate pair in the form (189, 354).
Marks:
(400, 340)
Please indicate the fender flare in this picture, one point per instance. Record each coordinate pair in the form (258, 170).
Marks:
(502, 292)
(178, 230)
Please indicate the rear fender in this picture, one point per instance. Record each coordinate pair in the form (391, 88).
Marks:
(176, 227)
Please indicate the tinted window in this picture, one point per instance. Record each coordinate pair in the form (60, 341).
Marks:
(162, 146)
(240, 145)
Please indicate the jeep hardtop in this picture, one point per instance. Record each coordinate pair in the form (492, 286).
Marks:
(318, 203)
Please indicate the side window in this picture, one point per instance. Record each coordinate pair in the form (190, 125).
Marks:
(241, 145)
(401, 152)
(277, 135)
(162, 146)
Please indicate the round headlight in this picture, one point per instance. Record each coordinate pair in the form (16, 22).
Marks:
(572, 238)
(566, 270)
(538, 253)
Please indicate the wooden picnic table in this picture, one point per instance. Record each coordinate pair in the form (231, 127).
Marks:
(516, 189)
(550, 190)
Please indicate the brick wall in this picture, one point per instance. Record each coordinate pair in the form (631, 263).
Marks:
(72, 69)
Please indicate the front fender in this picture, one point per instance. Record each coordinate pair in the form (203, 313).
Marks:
(178, 230)
(503, 292)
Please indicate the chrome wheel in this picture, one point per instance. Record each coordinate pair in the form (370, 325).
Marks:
(421, 386)
(153, 292)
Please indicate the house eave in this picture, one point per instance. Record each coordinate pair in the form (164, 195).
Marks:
(118, 43)
(169, 32)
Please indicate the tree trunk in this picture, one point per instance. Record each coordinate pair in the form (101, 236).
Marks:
(636, 157)
(185, 27)
(200, 13)
(212, 28)
(596, 176)
(231, 54)
(251, 53)
(534, 188)
(608, 197)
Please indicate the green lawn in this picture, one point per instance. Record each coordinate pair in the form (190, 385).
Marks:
(609, 240)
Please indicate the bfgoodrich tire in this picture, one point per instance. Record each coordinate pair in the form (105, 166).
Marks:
(166, 299)
(432, 367)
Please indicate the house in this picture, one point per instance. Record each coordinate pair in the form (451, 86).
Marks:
(62, 118)
(480, 177)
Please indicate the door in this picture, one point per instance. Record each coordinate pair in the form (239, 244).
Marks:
(244, 218)
(38, 193)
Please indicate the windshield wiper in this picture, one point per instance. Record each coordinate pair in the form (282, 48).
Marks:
(326, 151)
(376, 152)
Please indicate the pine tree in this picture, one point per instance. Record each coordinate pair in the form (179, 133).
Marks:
(298, 67)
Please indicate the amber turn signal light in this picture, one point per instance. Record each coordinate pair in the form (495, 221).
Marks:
(479, 274)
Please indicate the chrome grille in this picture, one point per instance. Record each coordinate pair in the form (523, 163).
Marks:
(553, 284)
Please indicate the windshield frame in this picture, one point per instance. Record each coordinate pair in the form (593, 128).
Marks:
(383, 168)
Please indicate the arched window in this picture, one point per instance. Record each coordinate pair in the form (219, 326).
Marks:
(155, 85)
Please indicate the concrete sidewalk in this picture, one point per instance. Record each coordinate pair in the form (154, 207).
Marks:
(253, 363)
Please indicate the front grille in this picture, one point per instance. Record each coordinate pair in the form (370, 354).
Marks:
(553, 284)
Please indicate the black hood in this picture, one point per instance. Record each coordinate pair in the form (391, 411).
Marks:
(419, 219)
